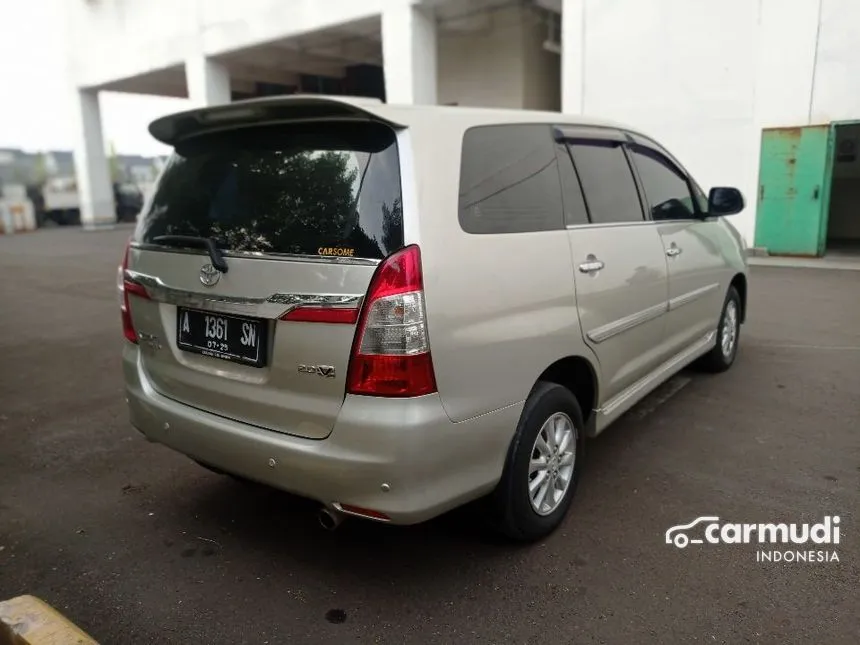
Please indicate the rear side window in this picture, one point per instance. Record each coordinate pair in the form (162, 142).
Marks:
(607, 181)
(666, 188)
(509, 181)
(327, 189)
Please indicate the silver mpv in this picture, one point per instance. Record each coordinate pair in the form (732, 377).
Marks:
(396, 310)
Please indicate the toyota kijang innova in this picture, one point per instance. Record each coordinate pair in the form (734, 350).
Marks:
(396, 310)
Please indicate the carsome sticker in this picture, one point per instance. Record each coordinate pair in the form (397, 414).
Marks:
(336, 250)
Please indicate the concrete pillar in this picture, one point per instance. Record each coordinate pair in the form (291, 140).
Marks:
(208, 81)
(573, 56)
(409, 54)
(95, 191)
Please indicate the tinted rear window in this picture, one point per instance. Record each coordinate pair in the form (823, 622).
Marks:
(329, 189)
(509, 180)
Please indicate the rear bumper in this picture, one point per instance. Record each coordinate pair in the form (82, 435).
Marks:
(429, 463)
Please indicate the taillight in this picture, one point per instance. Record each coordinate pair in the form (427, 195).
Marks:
(391, 350)
(126, 287)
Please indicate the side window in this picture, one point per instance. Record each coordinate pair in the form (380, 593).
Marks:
(666, 188)
(607, 181)
(509, 180)
(571, 192)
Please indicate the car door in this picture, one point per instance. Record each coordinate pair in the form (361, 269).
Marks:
(698, 271)
(618, 259)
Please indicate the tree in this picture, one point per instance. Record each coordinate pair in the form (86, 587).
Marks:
(40, 170)
(258, 199)
(392, 225)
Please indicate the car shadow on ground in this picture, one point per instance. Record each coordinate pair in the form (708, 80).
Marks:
(283, 530)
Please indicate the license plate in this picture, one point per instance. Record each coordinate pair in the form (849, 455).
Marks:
(231, 338)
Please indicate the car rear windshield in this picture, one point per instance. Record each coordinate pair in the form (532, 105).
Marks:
(321, 189)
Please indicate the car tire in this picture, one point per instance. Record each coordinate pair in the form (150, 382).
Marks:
(723, 354)
(513, 506)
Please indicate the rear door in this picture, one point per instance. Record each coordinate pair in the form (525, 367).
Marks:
(620, 266)
(302, 215)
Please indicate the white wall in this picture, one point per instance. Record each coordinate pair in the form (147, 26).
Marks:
(108, 41)
(785, 62)
(681, 71)
(115, 39)
(542, 67)
(702, 76)
(480, 61)
(495, 60)
(836, 93)
(705, 76)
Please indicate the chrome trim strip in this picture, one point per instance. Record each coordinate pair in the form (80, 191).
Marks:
(292, 257)
(607, 331)
(657, 222)
(572, 227)
(610, 406)
(690, 296)
(271, 307)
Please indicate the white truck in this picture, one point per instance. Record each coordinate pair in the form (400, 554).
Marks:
(60, 203)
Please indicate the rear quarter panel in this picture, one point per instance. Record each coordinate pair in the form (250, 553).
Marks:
(501, 308)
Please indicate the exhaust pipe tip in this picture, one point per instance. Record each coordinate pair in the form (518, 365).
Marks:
(328, 519)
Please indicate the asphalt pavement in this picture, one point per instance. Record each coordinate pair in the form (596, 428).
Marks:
(137, 544)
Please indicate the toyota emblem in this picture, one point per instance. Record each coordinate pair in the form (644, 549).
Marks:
(209, 275)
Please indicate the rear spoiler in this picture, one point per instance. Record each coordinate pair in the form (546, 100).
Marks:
(296, 107)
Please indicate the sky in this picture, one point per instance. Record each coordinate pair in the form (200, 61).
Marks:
(35, 90)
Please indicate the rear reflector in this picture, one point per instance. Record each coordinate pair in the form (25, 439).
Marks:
(322, 315)
(134, 289)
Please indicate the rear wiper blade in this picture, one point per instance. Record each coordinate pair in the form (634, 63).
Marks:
(197, 242)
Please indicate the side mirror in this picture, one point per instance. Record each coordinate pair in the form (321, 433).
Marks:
(725, 201)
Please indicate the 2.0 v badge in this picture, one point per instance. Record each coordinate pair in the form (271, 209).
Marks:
(326, 371)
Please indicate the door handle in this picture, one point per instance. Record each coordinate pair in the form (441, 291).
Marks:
(591, 265)
(673, 250)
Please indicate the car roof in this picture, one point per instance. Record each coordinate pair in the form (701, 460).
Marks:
(296, 107)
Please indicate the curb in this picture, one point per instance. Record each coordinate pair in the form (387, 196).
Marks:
(26, 620)
(804, 263)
